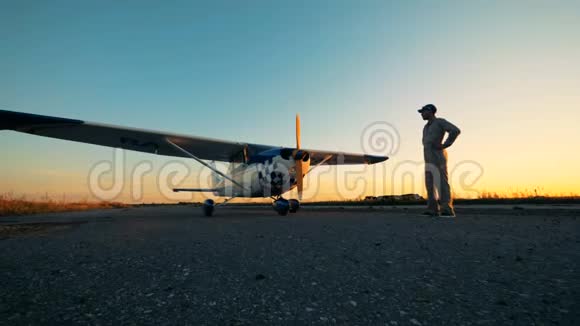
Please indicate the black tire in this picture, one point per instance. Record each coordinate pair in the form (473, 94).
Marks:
(282, 207)
(208, 207)
(294, 205)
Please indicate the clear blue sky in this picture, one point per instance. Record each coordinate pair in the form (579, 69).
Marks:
(240, 70)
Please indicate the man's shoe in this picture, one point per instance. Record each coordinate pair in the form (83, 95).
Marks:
(447, 214)
(430, 214)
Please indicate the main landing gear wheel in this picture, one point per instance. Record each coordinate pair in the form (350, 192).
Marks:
(282, 206)
(208, 207)
(294, 205)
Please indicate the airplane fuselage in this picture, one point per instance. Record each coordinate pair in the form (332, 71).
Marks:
(265, 175)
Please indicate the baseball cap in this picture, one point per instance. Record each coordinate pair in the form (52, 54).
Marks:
(428, 107)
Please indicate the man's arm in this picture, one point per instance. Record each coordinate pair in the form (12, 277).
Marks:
(453, 132)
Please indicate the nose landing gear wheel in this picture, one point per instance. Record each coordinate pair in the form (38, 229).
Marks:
(294, 205)
(282, 206)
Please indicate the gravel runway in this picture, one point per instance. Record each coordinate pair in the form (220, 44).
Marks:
(168, 265)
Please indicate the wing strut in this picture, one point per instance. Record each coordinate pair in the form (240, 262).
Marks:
(204, 163)
(328, 157)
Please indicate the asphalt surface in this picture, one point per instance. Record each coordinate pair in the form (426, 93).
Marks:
(327, 266)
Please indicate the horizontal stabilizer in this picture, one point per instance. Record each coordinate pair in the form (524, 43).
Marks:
(193, 190)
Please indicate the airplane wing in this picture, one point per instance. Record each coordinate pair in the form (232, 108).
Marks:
(156, 142)
(340, 158)
(123, 137)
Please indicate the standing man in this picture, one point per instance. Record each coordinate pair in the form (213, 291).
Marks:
(435, 154)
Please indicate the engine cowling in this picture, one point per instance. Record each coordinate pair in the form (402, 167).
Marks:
(301, 155)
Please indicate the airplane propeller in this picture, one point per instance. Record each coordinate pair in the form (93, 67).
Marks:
(302, 159)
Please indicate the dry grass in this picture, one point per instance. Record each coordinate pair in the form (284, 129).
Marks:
(10, 205)
(535, 193)
(485, 197)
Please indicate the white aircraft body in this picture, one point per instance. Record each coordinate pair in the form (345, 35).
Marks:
(255, 171)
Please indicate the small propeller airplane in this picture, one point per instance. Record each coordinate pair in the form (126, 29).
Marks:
(255, 170)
